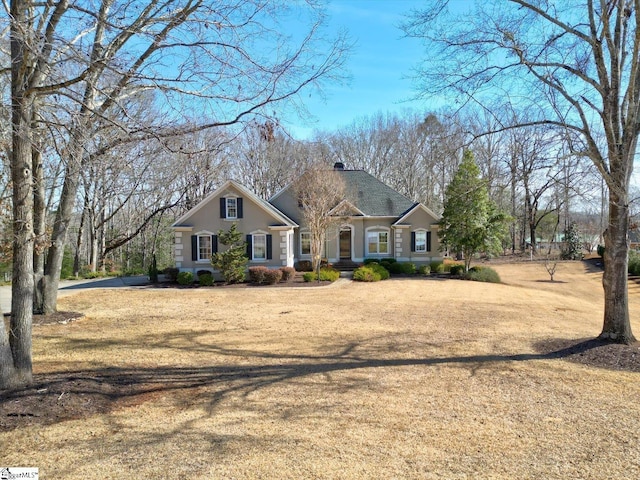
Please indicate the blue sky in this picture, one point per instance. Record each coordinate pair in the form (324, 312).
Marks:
(379, 66)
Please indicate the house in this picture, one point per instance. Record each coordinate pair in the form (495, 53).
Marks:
(380, 223)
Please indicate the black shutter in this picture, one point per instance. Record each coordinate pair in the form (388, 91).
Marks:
(249, 246)
(428, 241)
(214, 243)
(194, 247)
(413, 241)
(239, 207)
(269, 247)
(223, 207)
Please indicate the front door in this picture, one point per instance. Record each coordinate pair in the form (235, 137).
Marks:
(345, 244)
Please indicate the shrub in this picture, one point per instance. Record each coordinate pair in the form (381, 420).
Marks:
(329, 274)
(271, 277)
(436, 267)
(408, 268)
(205, 279)
(303, 266)
(326, 275)
(380, 270)
(199, 273)
(424, 270)
(185, 278)
(172, 273)
(366, 274)
(600, 251)
(288, 273)
(256, 274)
(395, 268)
(634, 263)
(449, 265)
(367, 261)
(484, 274)
(456, 269)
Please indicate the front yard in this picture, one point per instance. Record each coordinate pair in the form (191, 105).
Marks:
(407, 378)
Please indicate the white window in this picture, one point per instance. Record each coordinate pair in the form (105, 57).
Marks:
(204, 248)
(259, 247)
(305, 243)
(378, 242)
(421, 241)
(232, 208)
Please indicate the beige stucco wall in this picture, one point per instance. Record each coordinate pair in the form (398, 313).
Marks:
(419, 219)
(206, 220)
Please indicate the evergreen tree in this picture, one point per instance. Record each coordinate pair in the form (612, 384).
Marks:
(470, 222)
(572, 249)
(232, 262)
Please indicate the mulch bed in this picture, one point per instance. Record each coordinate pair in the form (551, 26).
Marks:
(594, 353)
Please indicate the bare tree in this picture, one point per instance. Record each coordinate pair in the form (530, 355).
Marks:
(192, 55)
(266, 159)
(319, 191)
(576, 66)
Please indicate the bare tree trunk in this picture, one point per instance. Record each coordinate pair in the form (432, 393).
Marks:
(39, 230)
(59, 233)
(79, 241)
(616, 325)
(19, 372)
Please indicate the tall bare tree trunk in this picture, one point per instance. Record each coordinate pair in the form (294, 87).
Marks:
(39, 230)
(20, 373)
(616, 326)
(79, 242)
(64, 214)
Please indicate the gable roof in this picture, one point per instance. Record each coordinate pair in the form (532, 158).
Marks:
(372, 197)
(263, 204)
(417, 206)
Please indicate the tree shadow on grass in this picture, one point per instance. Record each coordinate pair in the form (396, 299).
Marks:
(77, 394)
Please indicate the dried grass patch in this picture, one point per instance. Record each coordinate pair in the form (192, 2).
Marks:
(404, 378)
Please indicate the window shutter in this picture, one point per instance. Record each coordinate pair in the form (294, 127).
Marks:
(194, 247)
(413, 241)
(223, 207)
(428, 241)
(269, 247)
(239, 207)
(250, 247)
(214, 243)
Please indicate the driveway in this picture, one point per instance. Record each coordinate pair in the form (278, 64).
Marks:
(69, 286)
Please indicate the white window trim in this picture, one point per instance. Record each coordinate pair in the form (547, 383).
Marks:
(421, 230)
(258, 233)
(204, 234)
(305, 232)
(378, 230)
(226, 205)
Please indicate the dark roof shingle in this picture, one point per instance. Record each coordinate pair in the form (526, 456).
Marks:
(373, 197)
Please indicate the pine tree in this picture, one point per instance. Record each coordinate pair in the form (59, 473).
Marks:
(470, 222)
(232, 262)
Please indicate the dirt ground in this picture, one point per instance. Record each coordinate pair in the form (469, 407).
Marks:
(407, 378)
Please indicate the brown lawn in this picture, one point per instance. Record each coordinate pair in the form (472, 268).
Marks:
(406, 378)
